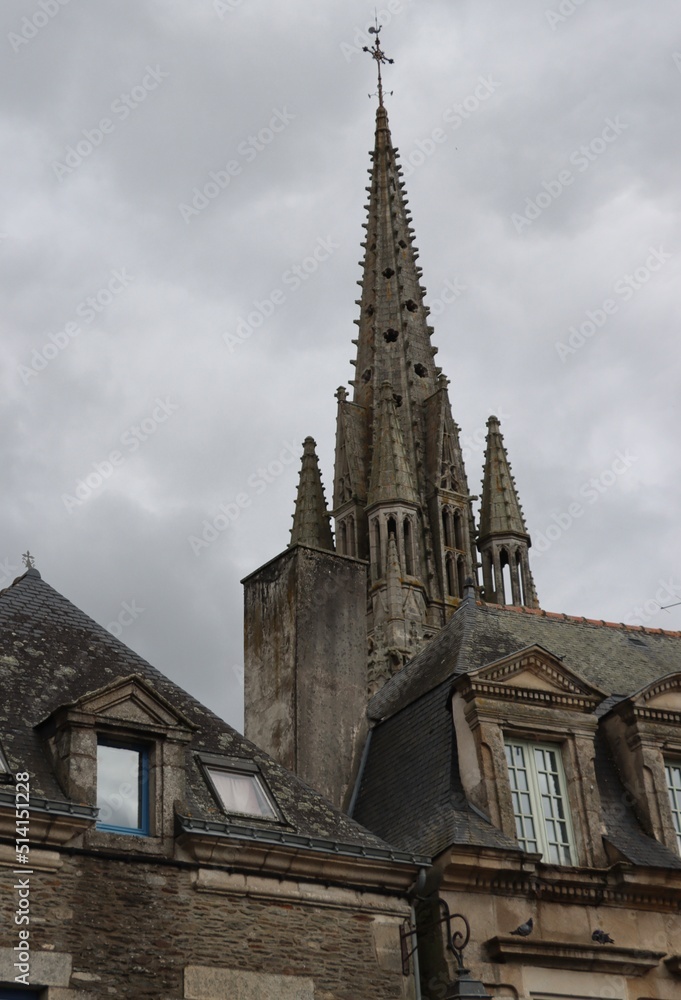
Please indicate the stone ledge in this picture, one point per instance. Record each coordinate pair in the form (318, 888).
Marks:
(587, 957)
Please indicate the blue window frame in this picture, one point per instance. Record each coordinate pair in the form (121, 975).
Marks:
(122, 787)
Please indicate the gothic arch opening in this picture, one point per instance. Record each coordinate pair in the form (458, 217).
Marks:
(520, 578)
(451, 577)
(460, 575)
(447, 526)
(506, 585)
(408, 548)
(458, 530)
(378, 563)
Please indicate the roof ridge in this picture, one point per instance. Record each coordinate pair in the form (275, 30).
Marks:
(578, 619)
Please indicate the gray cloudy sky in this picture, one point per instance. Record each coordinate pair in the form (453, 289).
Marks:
(159, 348)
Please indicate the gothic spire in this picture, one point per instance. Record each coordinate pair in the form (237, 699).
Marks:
(394, 339)
(390, 474)
(310, 519)
(503, 539)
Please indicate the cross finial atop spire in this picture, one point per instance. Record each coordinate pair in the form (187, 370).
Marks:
(29, 561)
(379, 55)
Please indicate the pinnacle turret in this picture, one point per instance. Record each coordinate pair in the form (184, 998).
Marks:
(311, 519)
(503, 540)
(391, 477)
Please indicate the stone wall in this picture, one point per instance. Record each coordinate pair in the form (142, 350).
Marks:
(139, 929)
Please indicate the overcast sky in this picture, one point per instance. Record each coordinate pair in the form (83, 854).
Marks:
(541, 145)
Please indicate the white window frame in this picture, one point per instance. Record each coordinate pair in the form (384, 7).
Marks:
(552, 850)
(213, 764)
(672, 770)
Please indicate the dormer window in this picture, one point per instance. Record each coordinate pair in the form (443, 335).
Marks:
(122, 788)
(239, 788)
(673, 773)
(539, 798)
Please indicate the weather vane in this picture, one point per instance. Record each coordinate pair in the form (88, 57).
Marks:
(379, 55)
(29, 561)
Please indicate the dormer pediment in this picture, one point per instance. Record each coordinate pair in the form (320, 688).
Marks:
(534, 676)
(128, 701)
(659, 701)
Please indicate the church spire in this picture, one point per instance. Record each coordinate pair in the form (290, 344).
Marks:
(503, 539)
(310, 519)
(401, 500)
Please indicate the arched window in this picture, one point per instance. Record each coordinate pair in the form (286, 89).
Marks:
(521, 580)
(408, 548)
(451, 578)
(506, 586)
(342, 538)
(377, 550)
(350, 541)
(447, 526)
(460, 575)
(458, 530)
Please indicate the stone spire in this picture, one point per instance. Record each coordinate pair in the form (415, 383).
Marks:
(503, 539)
(401, 499)
(310, 519)
(391, 477)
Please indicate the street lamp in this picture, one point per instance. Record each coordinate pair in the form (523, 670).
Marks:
(463, 987)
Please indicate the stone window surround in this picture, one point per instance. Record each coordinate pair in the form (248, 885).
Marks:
(534, 792)
(486, 711)
(644, 738)
(127, 711)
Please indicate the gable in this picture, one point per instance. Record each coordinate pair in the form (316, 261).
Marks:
(661, 699)
(131, 700)
(537, 676)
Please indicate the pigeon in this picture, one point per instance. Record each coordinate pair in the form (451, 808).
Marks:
(602, 937)
(525, 929)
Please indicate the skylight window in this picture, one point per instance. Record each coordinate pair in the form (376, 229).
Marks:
(239, 789)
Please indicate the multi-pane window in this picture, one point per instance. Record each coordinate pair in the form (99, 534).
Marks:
(122, 788)
(674, 788)
(540, 806)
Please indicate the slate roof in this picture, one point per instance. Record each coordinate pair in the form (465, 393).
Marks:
(410, 791)
(51, 654)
